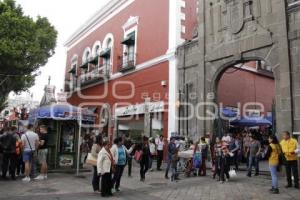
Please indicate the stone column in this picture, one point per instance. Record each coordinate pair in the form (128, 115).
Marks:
(147, 120)
(285, 115)
(202, 72)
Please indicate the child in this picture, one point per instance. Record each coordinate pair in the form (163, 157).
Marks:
(224, 164)
(174, 165)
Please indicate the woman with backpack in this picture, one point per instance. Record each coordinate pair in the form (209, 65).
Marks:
(272, 154)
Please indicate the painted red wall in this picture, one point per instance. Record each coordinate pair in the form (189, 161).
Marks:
(145, 81)
(152, 36)
(191, 19)
(244, 86)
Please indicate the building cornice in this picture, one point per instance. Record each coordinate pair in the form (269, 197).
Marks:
(109, 10)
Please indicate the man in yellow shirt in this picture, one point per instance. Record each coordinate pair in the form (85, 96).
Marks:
(289, 146)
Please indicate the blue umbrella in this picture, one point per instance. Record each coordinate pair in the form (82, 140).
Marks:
(251, 121)
(230, 113)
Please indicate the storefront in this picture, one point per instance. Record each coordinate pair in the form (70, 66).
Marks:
(140, 119)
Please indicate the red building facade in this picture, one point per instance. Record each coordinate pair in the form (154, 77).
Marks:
(125, 55)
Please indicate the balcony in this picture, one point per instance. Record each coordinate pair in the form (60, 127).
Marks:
(127, 62)
(94, 60)
(96, 75)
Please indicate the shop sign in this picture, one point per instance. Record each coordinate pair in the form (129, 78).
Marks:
(137, 109)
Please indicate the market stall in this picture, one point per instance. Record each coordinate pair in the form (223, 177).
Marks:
(65, 124)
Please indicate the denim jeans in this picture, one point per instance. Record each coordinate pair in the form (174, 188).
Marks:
(253, 162)
(173, 170)
(273, 170)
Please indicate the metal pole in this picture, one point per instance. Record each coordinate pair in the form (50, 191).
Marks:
(78, 144)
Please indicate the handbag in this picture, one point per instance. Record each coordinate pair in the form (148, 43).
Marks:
(281, 156)
(232, 173)
(91, 160)
(138, 156)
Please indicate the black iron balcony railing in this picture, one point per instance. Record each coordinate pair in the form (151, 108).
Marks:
(96, 75)
(127, 62)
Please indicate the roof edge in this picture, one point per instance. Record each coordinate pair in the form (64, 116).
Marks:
(93, 20)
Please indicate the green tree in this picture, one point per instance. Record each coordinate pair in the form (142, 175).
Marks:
(25, 46)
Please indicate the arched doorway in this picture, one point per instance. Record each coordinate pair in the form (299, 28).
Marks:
(245, 96)
(229, 33)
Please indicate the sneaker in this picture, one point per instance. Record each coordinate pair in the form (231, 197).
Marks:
(45, 177)
(39, 178)
(26, 179)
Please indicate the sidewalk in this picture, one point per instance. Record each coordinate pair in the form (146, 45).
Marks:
(67, 186)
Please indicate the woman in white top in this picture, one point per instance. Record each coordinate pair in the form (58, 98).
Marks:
(105, 163)
(152, 148)
(160, 151)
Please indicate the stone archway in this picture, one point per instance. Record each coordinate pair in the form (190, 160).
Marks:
(230, 32)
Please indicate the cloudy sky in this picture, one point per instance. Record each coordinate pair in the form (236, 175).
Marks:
(66, 16)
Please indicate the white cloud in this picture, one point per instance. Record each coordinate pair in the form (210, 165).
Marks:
(67, 16)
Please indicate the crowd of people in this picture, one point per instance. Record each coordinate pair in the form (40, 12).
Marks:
(225, 154)
(20, 152)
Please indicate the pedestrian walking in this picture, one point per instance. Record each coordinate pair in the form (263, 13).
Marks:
(105, 165)
(152, 153)
(9, 153)
(217, 157)
(174, 166)
(144, 163)
(96, 148)
(234, 148)
(171, 151)
(289, 146)
(119, 152)
(224, 164)
(160, 151)
(204, 153)
(272, 155)
(128, 143)
(43, 153)
(254, 153)
(30, 142)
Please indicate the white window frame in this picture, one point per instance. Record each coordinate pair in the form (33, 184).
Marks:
(105, 46)
(128, 32)
(85, 58)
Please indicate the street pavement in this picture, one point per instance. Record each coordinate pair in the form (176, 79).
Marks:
(67, 186)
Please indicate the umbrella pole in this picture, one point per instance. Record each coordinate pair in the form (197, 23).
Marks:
(78, 145)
